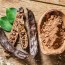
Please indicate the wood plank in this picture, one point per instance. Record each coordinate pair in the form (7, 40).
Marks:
(59, 2)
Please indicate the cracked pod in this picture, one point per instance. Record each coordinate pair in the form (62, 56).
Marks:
(51, 30)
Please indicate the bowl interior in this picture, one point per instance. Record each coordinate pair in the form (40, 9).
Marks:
(44, 19)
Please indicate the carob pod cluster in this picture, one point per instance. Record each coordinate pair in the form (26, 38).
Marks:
(18, 29)
(31, 28)
(12, 50)
(9, 47)
(18, 26)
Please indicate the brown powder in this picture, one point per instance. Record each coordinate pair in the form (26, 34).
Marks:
(53, 32)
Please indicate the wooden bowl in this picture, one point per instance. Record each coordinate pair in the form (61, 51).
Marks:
(43, 47)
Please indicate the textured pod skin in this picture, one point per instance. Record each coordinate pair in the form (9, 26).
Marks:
(9, 47)
(30, 25)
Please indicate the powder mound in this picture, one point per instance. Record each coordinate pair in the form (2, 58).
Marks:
(52, 32)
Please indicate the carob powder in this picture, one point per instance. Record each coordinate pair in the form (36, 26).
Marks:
(52, 32)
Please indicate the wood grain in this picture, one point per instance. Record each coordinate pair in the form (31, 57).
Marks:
(59, 2)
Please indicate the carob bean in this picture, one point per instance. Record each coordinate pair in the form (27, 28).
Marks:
(30, 26)
(12, 50)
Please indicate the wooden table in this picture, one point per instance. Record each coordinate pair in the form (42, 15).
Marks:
(38, 9)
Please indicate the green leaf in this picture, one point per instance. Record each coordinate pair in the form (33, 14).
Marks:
(5, 24)
(0, 21)
(11, 14)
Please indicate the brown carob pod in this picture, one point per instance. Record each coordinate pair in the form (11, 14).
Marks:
(13, 51)
(51, 31)
(31, 28)
(18, 29)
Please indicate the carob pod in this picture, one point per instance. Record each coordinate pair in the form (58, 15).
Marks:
(12, 50)
(30, 25)
(18, 29)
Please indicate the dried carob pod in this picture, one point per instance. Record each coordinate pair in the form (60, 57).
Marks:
(30, 25)
(12, 50)
(18, 29)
